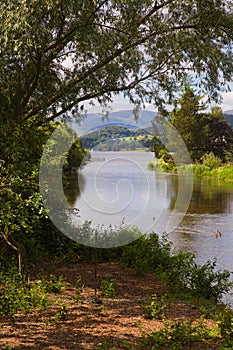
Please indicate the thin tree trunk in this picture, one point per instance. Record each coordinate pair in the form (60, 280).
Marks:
(19, 253)
(95, 269)
(95, 276)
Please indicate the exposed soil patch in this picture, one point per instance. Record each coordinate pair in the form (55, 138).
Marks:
(85, 323)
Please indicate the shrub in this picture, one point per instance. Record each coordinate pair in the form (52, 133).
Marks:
(211, 161)
(147, 253)
(178, 269)
(78, 288)
(54, 284)
(154, 306)
(225, 172)
(17, 295)
(175, 336)
(225, 323)
(208, 283)
(108, 287)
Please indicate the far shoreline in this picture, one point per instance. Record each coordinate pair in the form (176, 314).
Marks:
(221, 173)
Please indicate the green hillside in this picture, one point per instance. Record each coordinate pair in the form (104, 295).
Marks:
(117, 138)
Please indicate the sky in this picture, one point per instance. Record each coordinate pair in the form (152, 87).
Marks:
(227, 101)
(121, 104)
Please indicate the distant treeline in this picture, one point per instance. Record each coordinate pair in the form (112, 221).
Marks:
(116, 138)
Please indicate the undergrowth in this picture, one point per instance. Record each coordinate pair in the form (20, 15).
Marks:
(182, 277)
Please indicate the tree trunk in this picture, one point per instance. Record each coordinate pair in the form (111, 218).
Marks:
(16, 247)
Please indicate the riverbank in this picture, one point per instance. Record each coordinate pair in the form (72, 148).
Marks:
(119, 321)
(141, 297)
(223, 172)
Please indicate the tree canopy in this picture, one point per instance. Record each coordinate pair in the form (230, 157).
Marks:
(56, 54)
(202, 131)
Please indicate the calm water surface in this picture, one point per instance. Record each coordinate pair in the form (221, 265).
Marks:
(117, 186)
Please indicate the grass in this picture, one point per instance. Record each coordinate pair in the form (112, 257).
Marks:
(223, 172)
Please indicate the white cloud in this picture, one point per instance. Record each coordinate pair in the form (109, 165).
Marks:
(114, 107)
(123, 104)
(227, 102)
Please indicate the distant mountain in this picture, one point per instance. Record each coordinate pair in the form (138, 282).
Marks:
(229, 116)
(230, 111)
(120, 124)
(123, 118)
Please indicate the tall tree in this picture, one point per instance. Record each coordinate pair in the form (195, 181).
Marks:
(57, 54)
(220, 136)
(191, 123)
(201, 131)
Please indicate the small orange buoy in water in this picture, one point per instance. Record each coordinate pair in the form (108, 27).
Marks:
(218, 234)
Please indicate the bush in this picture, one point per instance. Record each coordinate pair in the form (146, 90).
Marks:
(225, 172)
(155, 306)
(178, 269)
(108, 287)
(208, 283)
(147, 253)
(18, 295)
(175, 336)
(211, 161)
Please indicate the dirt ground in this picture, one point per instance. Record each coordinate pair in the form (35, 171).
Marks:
(86, 324)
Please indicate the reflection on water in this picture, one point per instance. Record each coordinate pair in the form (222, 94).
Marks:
(152, 199)
(209, 197)
(72, 189)
(210, 209)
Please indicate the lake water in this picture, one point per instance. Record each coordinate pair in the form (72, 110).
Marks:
(118, 186)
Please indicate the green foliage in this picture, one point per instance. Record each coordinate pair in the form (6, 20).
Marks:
(147, 253)
(175, 336)
(179, 335)
(202, 132)
(155, 306)
(211, 161)
(108, 287)
(142, 38)
(78, 288)
(190, 123)
(201, 280)
(178, 269)
(107, 54)
(21, 295)
(23, 219)
(75, 158)
(207, 282)
(5, 347)
(162, 165)
(225, 323)
(61, 314)
(111, 137)
(182, 334)
(17, 295)
(224, 172)
(54, 284)
(158, 147)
